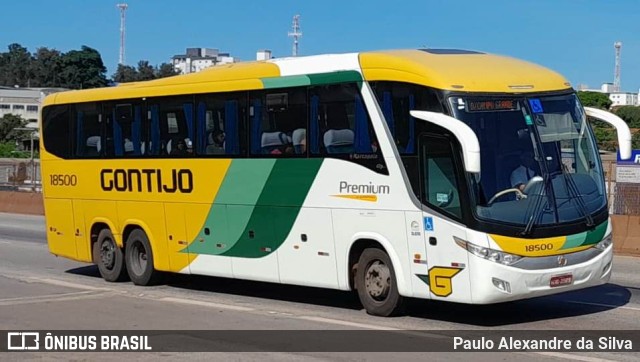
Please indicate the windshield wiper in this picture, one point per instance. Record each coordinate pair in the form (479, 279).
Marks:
(571, 186)
(538, 207)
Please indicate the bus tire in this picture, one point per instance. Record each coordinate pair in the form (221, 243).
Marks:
(376, 283)
(109, 257)
(139, 259)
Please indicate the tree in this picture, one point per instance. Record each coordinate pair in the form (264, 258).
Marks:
(83, 69)
(7, 149)
(595, 99)
(7, 124)
(46, 66)
(146, 71)
(15, 65)
(630, 114)
(635, 140)
(125, 73)
(166, 70)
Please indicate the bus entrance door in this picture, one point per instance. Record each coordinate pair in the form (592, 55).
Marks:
(447, 262)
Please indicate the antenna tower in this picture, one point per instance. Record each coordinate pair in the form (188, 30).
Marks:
(295, 34)
(616, 74)
(123, 7)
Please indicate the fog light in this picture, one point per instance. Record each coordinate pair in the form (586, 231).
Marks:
(502, 285)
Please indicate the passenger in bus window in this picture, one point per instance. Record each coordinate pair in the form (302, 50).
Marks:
(180, 148)
(523, 173)
(215, 143)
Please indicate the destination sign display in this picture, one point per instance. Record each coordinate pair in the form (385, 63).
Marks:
(492, 105)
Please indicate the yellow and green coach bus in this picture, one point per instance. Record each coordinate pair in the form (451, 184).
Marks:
(437, 174)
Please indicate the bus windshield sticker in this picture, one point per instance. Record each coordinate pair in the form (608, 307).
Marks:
(442, 197)
(536, 105)
(428, 223)
(492, 105)
(528, 120)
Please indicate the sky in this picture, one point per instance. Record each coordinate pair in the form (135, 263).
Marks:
(572, 37)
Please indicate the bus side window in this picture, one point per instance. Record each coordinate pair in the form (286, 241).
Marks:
(279, 122)
(171, 126)
(339, 121)
(396, 100)
(221, 124)
(88, 142)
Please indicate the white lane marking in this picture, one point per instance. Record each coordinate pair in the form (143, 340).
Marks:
(205, 304)
(575, 357)
(604, 305)
(62, 283)
(347, 323)
(60, 298)
(35, 297)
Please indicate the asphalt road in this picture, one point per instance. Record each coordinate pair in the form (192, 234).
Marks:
(40, 291)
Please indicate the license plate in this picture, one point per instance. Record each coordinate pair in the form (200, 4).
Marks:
(560, 280)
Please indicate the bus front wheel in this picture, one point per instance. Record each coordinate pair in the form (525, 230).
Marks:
(139, 259)
(109, 257)
(376, 283)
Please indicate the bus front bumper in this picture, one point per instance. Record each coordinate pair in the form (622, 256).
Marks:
(492, 282)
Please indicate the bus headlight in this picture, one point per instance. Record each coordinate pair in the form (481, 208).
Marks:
(605, 243)
(487, 253)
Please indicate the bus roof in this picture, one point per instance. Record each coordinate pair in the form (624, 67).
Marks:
(459, 70)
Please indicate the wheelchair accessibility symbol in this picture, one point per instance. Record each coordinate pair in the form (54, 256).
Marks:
(428, 223)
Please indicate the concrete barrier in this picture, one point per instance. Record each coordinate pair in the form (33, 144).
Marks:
(21, 202)
(626, 234)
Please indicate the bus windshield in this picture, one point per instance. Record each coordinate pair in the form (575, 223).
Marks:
(539, 160)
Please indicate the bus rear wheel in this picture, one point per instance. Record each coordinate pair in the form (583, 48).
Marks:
(376, 283)
(139, 259)
(109, 257)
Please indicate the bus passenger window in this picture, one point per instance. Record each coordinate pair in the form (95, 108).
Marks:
(396, 100)
(339, 122)
(278, 123)
(220, 124)
(172, 126)
(88, 129)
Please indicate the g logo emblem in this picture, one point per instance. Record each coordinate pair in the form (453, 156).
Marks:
(440, 280)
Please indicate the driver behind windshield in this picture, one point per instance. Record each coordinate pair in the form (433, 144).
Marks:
(523, 173)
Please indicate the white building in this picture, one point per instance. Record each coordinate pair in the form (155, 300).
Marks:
(264, 54)
(24, 102)
(624, 99)
(197, 59)
(617, 98)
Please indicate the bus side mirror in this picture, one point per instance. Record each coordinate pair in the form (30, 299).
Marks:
(465, 135)
(622, 129)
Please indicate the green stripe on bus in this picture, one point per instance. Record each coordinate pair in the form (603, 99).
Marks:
(595, 236)
(244, 181)
(586, 238)
(233, 206)
(277, 208)
(312, 79)
(335, 77)
(286, 81)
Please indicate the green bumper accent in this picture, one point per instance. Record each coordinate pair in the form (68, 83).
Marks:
(586, 238)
